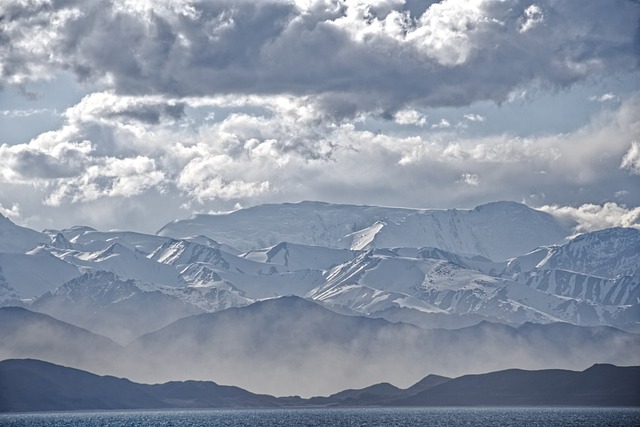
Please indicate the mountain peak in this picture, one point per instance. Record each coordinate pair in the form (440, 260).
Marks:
(502, 205)
(17, 239)
(497, 231)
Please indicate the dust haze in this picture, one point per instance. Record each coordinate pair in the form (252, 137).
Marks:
(290, 346)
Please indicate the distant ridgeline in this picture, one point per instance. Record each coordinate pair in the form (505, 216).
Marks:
(33, 385)
(343, 296)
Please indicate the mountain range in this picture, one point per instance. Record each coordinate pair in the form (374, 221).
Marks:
(341, 295)
(41, 386)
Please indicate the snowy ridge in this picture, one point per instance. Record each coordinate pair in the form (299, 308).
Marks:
(122, 261)
(107, 304)
(92, 240)
(35, 272)
(623, 290)
(16, 239)
(300, 257)
(363, 260)
(606, 253)
(497, 230)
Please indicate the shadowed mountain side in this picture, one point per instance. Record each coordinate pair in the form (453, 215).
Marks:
(426, 383)
(25, 334)
(600, 385)
(122, 309)
(289, 345)
(281, 346)
(34, 385)
(377, 394)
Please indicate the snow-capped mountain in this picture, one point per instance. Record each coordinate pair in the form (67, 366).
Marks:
(301, 257)
(621, 291)
(35, 272)
(608, 253)
(497, 231)
(426, 267)
(16, 239)
(125, 309)
(377, 281)
(91, 240)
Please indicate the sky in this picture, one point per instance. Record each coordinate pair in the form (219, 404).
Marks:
(128, 114)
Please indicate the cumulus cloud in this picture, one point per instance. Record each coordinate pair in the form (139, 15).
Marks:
(631, 160)
(10, 212)
(285, 151)
(533, 16)
(201, 178)
(43, 158)
(592, 217)
(285, 90)
(108, 177)
(352, 56)
(410, 117)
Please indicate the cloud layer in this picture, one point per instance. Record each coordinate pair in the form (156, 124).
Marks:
(113, 147)
(352, 55)
(204, 105)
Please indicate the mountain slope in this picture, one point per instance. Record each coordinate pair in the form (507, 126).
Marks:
(25, 334)
(380, 283)
(16, 239)
(122, 261)
(35, 272)
(34, 385)
(301, 257)
(123, 309)
(606, 253)
(268, 346)
(92, 240)
(599, 385)
(497, 230)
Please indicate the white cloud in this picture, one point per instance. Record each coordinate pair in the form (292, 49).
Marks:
(475, 118)
(270, 150)
(447, 31)
(469, 179)
(410, 117)
(631, 160)
(13, 212)
(110, 177)
(442, 124)
(533, 16)
(604, 97)
(592, 217)
(27, 113)
(285, 91)
(108, 107)
(50, 156)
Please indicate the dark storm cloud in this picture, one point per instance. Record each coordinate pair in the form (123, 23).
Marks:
(353, 57)
(151, 114)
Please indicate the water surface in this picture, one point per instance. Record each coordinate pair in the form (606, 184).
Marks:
(362, 417)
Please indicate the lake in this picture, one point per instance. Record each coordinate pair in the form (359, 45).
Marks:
(351, 417)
